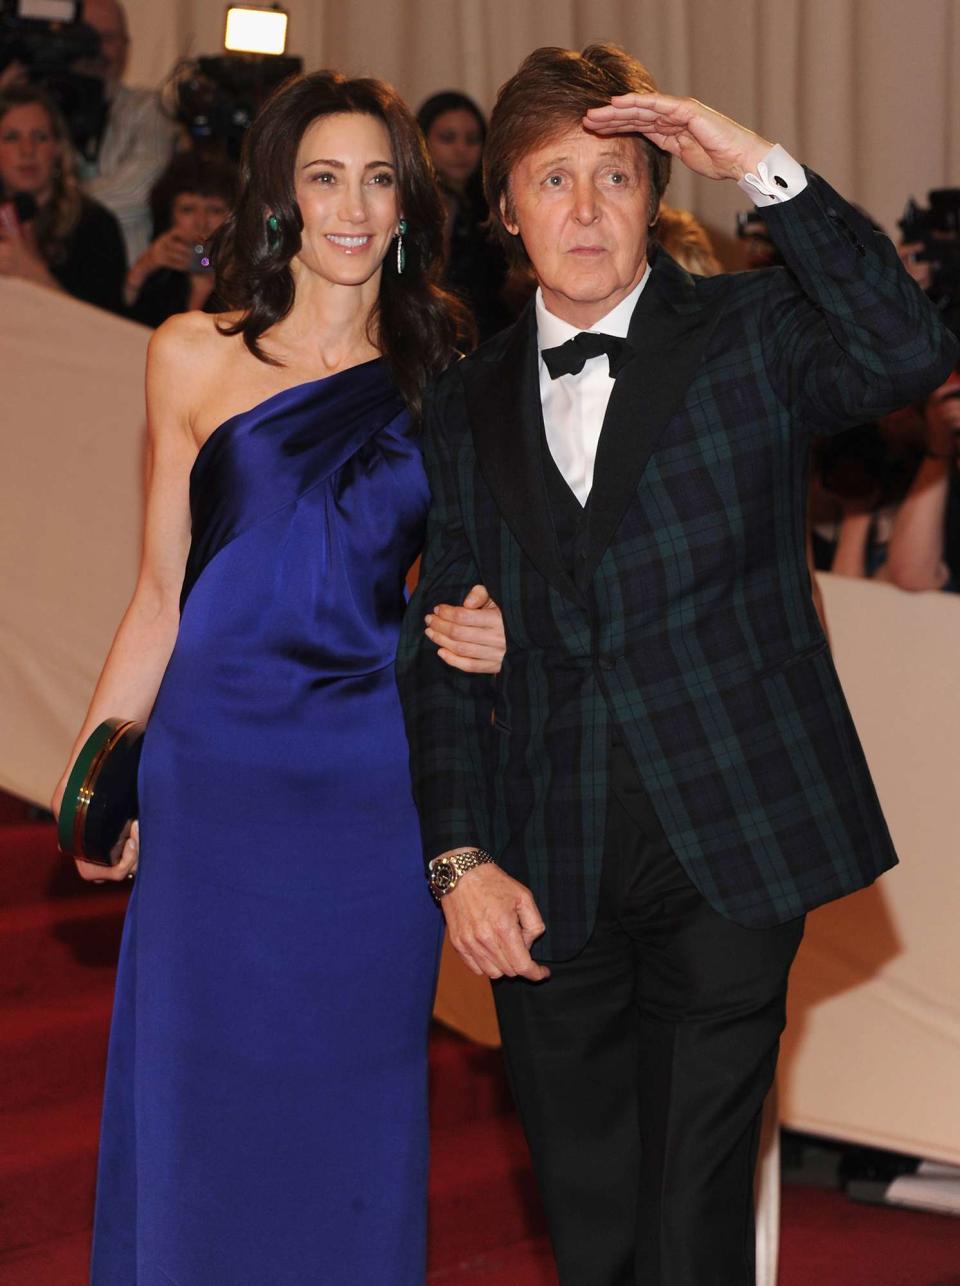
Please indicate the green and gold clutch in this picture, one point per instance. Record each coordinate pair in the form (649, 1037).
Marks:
(100, 801)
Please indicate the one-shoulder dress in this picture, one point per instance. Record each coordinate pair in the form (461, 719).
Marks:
(265, 1121)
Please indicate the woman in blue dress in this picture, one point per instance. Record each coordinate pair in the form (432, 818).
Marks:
(265, 1114)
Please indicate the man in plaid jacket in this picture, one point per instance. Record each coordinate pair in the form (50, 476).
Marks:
(627, 828)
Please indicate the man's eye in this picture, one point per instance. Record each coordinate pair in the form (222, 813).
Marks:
(554, 180)
(618, 177)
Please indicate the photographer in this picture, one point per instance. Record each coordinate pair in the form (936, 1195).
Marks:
(50, 233)
(924, 547)
(922, 552)
(137, 139)
(190, 202)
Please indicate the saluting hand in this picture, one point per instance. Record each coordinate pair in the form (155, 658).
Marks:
(704, 140)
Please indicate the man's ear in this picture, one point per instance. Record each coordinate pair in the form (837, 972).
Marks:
(506, 216)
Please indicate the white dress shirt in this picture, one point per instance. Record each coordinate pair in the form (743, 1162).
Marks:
(574, 405)
(136, 147)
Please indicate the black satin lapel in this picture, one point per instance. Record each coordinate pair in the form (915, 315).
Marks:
(669, 330)
(506, 418)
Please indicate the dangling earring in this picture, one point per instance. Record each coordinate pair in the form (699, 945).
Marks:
(273, 232)
(401, 253)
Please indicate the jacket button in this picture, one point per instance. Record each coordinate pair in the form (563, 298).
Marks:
(606, 661)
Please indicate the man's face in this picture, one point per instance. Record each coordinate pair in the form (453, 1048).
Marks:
(581, 204)
(108, 21)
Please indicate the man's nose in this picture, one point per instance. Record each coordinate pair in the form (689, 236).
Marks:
(585, 205)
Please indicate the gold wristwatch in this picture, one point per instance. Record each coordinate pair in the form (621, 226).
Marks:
(445, 872)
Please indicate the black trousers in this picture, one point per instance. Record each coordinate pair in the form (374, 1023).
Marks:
(640, 1069)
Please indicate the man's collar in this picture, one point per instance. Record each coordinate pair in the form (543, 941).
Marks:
(553, 330)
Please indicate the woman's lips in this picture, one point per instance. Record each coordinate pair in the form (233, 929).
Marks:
(350, 243)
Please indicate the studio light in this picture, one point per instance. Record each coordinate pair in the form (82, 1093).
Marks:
(255, 29)
(49, 10)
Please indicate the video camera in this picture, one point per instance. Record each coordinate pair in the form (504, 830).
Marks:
(936, 229)
(48, 40)
(216, 97)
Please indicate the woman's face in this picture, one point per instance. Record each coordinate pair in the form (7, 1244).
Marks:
(197, 217)
(456, 146)
(28, 151)
(346, 187)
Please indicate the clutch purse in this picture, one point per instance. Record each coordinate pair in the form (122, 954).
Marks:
(100, 801)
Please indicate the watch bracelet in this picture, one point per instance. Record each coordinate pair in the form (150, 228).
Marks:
(463, 861)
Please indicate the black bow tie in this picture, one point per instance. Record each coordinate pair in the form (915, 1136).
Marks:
(568, 358)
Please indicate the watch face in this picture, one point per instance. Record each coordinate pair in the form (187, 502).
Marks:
(443, 877)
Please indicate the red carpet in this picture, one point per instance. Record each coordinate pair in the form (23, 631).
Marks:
(58, 941)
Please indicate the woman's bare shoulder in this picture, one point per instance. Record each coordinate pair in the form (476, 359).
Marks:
(192, 337)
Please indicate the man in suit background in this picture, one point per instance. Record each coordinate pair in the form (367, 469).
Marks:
(627, 828)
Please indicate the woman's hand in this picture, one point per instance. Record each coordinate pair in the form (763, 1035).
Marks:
(20, 257)
(471, 637)
(93, 871)
(169, 250)
(705, 141)
(127, 865)
(942, 415)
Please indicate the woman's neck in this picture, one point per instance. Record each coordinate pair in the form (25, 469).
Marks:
(329, 324)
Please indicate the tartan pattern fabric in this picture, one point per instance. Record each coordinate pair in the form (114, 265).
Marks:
(695, 637)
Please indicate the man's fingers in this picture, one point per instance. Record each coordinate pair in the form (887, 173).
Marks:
(476, 957)
(522, 964)
(470, 962)
(530, 920)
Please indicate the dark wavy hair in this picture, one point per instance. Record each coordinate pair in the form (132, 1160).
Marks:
(194, 173)
(452, 100)
(415, 324)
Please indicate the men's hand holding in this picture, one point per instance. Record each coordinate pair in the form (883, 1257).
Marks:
(493, 921)
(704, 140)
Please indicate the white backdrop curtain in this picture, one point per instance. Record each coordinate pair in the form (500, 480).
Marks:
(865, 91)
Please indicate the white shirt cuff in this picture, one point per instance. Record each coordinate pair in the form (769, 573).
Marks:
(778, 178)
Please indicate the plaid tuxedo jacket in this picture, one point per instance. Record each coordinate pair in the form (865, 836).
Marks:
(690, 628)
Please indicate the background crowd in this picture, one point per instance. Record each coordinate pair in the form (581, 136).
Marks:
(117, 203)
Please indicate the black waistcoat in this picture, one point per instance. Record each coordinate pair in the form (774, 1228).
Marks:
(571, 520)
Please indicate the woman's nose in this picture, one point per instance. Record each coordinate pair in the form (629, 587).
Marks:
(353, 206)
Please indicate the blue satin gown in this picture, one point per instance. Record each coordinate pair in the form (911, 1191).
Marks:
(265, 1114)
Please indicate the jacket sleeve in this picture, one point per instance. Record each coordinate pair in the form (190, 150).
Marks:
(447, 712)
(848, 336)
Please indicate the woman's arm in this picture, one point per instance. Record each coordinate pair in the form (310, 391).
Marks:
(134, 667)
(850, 557)
(915, 553)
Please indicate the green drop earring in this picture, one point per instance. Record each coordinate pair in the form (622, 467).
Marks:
(273, 231)
(401, 253)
